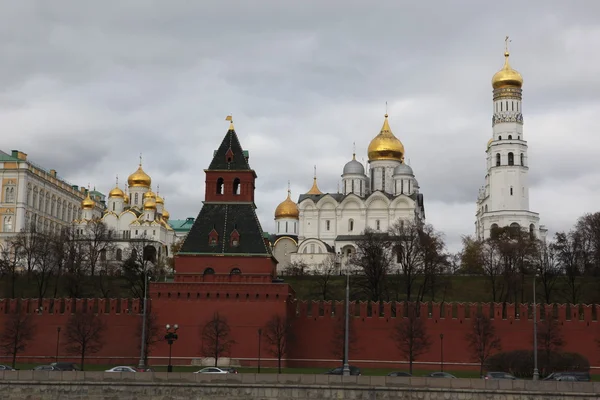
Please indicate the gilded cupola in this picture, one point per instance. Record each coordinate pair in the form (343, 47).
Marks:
(149, 195)
(166, 215)
(287, 208)
(386, 146)
(160, 200)
(88, 203)
(139, 178)
(116, 192)
(150, 204)
(507, 77)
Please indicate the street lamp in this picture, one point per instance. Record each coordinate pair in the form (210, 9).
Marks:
(259, 339)
(141, 364)
(57, 341)
(536, 374)
(442, 352)
(346, 368)
(170, 337)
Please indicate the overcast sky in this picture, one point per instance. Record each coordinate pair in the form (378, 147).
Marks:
(87, 86)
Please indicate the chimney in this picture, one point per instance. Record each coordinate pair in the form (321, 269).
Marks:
(53, 172)
(19, 155)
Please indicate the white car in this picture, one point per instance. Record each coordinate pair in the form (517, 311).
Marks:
(121, 369)
(212, 370)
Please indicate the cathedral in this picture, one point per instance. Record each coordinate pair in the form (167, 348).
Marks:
(504, 199)
(138, 215)
(324, 227)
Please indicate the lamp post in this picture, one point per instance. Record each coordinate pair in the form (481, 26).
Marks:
(346, 368)
(536, 374)
(259, 340)
(57, 341)
(170, 337)
(141, 364)
(442, 352)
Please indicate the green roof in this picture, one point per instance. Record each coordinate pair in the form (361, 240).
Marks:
(7, 157)
(182, 225)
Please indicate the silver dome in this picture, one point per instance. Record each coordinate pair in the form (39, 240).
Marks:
(403, 169)
(354, 167)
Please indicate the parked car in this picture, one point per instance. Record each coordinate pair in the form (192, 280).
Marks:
(46, 368)
(231, 370)
(122, 368)
(498, 375)
(340, 371)
(399, 373)
(440, 375)
(65, 366)
(581, 376)
(212, 370)
(6, 368)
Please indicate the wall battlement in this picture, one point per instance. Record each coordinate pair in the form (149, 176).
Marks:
(67, 306)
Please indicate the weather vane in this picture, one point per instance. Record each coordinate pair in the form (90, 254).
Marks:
(140, 159)
(506, 42)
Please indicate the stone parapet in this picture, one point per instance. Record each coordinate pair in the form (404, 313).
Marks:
(20, 385)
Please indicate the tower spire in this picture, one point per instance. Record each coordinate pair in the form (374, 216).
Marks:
(354, 150)
(117, 180)
(314, 189)
(230, 119)
(140, 159)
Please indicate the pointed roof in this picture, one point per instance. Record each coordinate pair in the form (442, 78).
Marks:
(237, 154)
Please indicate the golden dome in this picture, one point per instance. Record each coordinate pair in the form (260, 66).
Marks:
(314, 189)
(88, 203)
(139, 178)
(507, 77)
(160, 200)
(165, 215)
(126, 198)
(149, 195)
(116, 192)
(287, 209)
(150, 204)
(386, 146)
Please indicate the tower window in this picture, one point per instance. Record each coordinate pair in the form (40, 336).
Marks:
(511, 159)
(512, 105)
(511, 191)
(136, 198)
(345, 186)
(509, 137)
(383, 179)
(377, 225)
(522, 159)
(113, 206)
(327, 225)
(497, 159)
(499, 137)
(352, 185)
(279, 226)
(286, 226)
(501, 107)
(506, 105)
(350, 225)
(402, 186)
(236, 186)
(220, 186)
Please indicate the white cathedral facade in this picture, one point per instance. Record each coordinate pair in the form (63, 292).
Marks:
(504, 199)
(324, 227)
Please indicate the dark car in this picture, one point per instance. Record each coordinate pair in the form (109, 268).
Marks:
(46, 368)
(230, 370)
(340, 371)
(440, 375)
(399, 373)
(6, 368)
(498, 375)
(581, 376)
(65, 366)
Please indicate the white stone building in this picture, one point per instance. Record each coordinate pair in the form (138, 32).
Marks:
(504, 199)
(33, 197)
(326, 225)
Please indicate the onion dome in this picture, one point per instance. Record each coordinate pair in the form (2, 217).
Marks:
(150, 204)
(354, 167)
(139, 178)
(314, 189)
(386, 146)
(403, 169)
(507, 77)
(166, 215)
(160, 200)
(287, 209)
(88, 203)
(149, 195)
(116, 192)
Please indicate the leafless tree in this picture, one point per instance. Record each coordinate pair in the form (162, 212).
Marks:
(278, 334)
(549, 338)
(153, 333)
(216, 337)
(374, 258)
(482, 340)
(570, 254)
(409, 253)
(339, 336)
(410, 335)
(324, 272)
(434, 260)
(27, 242)
(547, 268)
(45, 266)
(296, 268)
(142, 263)
(492, 266)
(84, 334)
(588, 230)
(18, 332)
(98, 240)
(9, 264)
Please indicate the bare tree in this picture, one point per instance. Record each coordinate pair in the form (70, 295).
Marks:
(339, 336)
(18, 332)
(324, 272)
(142, 262)
(278, 334)
(482, 340)
(588, 230)
(570, 252)
(216, 337)
(492, 266)
(9, 264)
(410, 335)
(434, 260)
(153, 333)
(27, 242)
(374, 258)
(550, 339)
(84, 334)
(98, 240)
(547, 268)
(45, 265)
(409, 254)
(296, 268)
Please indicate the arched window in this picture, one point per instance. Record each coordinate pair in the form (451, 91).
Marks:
(209, 271)
(235, 271)
(9, 194)
(509, 137)
(494, 231)
(532, 231)
(220, 186)
(377, 224)
(497, 159)
(29, 195)
(35, 194)
(119, 255)
(113, 206)
(350, 225)
(136, 198)
(511, 191)
(236, 186)
(511, 159)
(486, 208)
(47, 209)
(8, 225)
(40, 204)
(522, 159)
